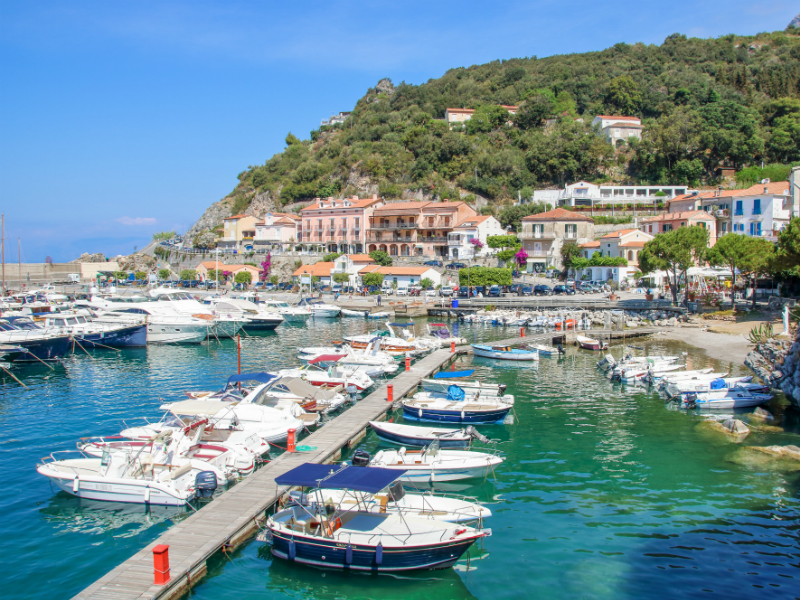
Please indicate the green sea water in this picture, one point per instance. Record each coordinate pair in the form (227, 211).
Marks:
(606, 492)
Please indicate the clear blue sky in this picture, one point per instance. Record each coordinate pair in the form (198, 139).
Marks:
(121, 118)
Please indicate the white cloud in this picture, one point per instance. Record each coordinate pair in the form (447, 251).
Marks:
(137, 220)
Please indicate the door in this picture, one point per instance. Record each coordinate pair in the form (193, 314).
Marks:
(537, 248)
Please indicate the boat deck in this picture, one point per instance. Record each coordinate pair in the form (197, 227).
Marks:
(232, 517)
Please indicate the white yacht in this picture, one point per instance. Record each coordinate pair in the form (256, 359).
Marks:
(254, 317)
(164, 324)
(319, 309)
(290, 313)
(225, 326)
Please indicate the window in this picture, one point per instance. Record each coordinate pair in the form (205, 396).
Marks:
(755, 229)
(739, 210)
(666, 227)
(757, 206)
(724, 227)
(571, 230)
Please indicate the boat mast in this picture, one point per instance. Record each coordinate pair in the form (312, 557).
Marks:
(19, 260)
(3, 249)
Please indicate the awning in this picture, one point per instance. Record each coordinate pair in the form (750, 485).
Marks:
(327, 358)
(453, 374)
(362, 479)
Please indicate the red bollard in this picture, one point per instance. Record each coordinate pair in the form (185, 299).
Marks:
(452, 346)
(408, 363)
(290, 440)
(521, 332)
(161, 564)
(390, 393)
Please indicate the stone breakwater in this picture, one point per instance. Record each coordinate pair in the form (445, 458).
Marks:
(777, 362)
(594, 318)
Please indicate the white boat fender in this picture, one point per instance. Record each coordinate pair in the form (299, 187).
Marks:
(147, 495)
(419, 413)
(76, 485)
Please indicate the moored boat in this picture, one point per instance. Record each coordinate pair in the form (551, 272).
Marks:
(413, 435)
(588, 343)
(504, 352)
(432, 464)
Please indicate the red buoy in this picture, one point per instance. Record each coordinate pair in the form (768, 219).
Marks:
(390, 393)
(161, 564)
(290, 441)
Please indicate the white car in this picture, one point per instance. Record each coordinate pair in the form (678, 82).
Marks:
(446, 290)
(402, 291)
(430, 293)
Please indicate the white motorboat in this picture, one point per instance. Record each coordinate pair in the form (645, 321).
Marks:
(31, 342)
(293, 314)
(504, 352)
(433, 464)
(136, 476)
(358, 314)
(697, 374)
(609, 363)
(371, 361)
(182, 445)
(440, 335)
(416, 435)
(97, 334)
(485, 410)
(331, 377)
(394, 499)
(725, 399)
(638, 364)
(546, 351)
(231, 422)
(688, 387)
(312, 398)
(588, 343)
(319, 309)
(652, 372)
(390, 341)
(253, 316)
(225, 325)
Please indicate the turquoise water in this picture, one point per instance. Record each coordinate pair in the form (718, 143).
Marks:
(605, 491)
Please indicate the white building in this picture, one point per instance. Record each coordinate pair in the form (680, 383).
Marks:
(277, 230)
(459, 240)
(625, 243)
(340, 118)
(617, 129)
(352, 264)
(762, 210)
(404, 277)
(583, 193)
(461, 115)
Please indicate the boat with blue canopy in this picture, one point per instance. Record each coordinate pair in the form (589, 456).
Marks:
(455, 407)
(504, 352)
(441, 381)
(324, 533)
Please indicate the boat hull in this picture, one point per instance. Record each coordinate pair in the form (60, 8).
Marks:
(255, 325)
(176, 334)
(332, 554)
(125, 337)
(407, 440)
(48, 349)
(120, 491)
(325, 313)
(532, 356)
(453, 416)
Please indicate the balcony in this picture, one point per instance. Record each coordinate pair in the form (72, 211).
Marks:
(538, 235)
(393, 226)
(453, 241)
(723, 212)
(438, 239)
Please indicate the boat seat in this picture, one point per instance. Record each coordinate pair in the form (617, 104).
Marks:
(175, 473)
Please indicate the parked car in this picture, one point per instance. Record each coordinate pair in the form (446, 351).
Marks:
(542, 290)
(456, 265)
(446, 290)
(525, 290)
(433, 263)
(402, 291)
(570, 282)
(563, 289)
(430, 293)
(463, 292)
(285, 286)
(261, 285)
(515, 287)
(495, 291)
(515, 273)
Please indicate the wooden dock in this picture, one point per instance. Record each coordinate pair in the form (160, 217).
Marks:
(233, 517)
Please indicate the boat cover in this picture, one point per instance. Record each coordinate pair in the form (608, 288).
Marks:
(259, 377)
(717, 384)
(455, 393)
(361, 479)
(327, 358)
(453, 374)
(401, 324)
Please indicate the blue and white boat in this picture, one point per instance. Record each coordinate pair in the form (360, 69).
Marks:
(414, 435)
(33, 343)
(97, 335)
(343, 537)
(432, 464)
(504, 352)
(442, 381)
(456, 408)
(320, 309)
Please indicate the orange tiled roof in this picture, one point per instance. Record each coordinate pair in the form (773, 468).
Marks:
(618, 118)
(395, 270)
(400, 206)
(632, 245)
(774, 187)
(320, 269)
(236, 217)
(360, 203)
(590, 245)
(619, 233)
(558, 214)
(461, 110)
(362, 258)
(474, 220)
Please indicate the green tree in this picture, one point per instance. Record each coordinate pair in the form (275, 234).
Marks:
(624, 94)
(787, 253)
(120, 275)
(484, 276)
(140, 275)
(569, 252)
(341, 278)
(273, 279)
(243, 276)
(163, 235)
(533, 113)
(216, 275)
(675, 252)
(331, 257)
(372, 279)
(188, 275)
(731, 251)
(164, 273)
(487, 118)
(513, 215)
(381, 257)
(426, 282)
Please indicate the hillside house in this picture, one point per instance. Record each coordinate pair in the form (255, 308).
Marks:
(674, 220)
(337, 225)
(404, 277)
(544, 234)
(238, 232)
(625, 243)
(617, 129)
(277, 230)
(459, 241)
(320, 269)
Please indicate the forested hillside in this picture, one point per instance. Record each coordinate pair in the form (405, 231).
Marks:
(731, 101)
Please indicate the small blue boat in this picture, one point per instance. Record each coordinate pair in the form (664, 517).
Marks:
(504, 352)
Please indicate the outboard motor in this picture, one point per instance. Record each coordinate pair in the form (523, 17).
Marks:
(502, 387)
(474, 434)
(361, 458)
(205, 483)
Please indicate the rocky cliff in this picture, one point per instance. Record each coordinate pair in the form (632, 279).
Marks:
(777, 362)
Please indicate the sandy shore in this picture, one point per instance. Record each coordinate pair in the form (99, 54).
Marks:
(722, 346)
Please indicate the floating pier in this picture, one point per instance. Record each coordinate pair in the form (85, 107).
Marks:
(233, 517)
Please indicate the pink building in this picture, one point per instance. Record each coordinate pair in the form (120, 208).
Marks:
(276, 230)
(337, 225)
(674, 220)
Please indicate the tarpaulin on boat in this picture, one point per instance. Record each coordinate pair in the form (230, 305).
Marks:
(259, 377)
(401, 324)
(362, 479)
(327, 358)
(455, 393)
(453, 374)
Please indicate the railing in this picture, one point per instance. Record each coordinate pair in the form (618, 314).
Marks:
(388, 226)
(432, 239)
